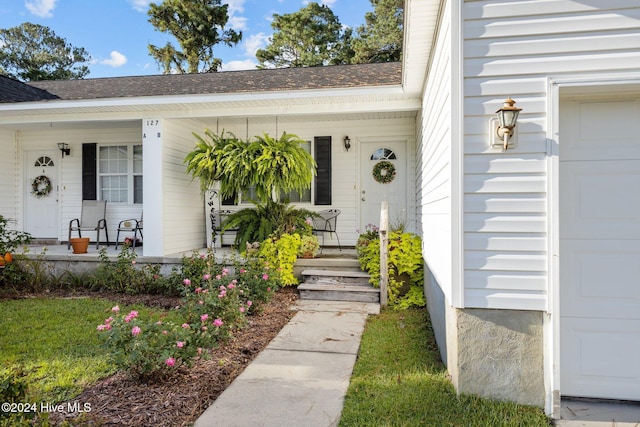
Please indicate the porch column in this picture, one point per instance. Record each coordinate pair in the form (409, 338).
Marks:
(152, 181)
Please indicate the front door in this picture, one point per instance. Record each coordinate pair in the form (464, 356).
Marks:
(383, 176)
(41, 198)
(600, 248)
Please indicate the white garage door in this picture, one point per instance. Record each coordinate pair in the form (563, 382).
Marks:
(600, 248)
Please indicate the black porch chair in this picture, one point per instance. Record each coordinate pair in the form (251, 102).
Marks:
(326, 222)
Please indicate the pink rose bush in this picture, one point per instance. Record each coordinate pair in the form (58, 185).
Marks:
(216, 302)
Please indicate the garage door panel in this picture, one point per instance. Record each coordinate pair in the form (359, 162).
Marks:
(599, 198)
(603, 360)
(609, 275)
(593, 140)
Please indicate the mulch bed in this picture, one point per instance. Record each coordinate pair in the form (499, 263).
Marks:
(178, 401)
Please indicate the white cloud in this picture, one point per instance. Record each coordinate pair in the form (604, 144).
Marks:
(254, 42)
(140, 5)
(41, 8)
(235, 6)
(237, 22)
(247, 64)
(116, 59)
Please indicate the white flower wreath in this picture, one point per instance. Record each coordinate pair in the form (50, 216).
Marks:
(41, 186)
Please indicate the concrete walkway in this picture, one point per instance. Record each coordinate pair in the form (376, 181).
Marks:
(302, 377)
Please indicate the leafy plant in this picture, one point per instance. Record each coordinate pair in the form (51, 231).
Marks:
(309, 245)
(10, 239)
(124, 275)
(279, 255)
(272, 166)
(405, 267)
(268, 219)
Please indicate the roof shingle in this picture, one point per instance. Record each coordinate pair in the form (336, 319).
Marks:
(266, 80)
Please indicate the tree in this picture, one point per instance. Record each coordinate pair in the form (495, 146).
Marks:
(309, 37)
(33, 52)
(198, 25)
(380, 38)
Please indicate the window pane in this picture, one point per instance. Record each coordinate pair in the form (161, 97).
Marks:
(137, 189)
(137, 159)
(113, 188)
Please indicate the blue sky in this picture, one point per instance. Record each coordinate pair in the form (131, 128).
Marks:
(116, 32)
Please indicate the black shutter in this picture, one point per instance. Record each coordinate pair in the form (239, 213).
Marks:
(323, 177)
(89, 171)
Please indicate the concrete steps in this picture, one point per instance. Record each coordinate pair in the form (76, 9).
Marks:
(344, 284)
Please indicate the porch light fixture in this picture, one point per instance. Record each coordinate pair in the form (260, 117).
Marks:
(64, 147)
(504, 124)
(347, 143)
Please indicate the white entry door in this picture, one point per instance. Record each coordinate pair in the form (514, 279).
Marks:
(600, 248)
(41, 210)
(389, 183)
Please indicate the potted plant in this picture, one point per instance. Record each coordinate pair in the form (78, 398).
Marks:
(80, 245)
(308, 246)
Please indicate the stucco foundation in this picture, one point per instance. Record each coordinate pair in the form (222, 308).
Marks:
(499, 354)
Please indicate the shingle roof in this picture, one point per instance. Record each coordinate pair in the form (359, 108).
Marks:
(282, 79)
(15, 91)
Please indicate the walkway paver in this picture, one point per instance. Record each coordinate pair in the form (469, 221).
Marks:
(302, 377)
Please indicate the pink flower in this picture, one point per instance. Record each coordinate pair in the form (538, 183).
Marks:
(101, 327)
(242, 270)
(180, 344)
(186, 282)
(231, 285)
(202, 256)
(241, 309)
(265, 276)
(198, 290)
(204, 317)
(164, 332)
(185, 326)
(217, 323)
(115, 309)
(199, 351)
(249, 303)
(158, 322)
(201, 302)
(133, 262)
(206, 277)
(218, 277)
(225, 271)
(204, 328)
(108, 320)
(170, 361)
(309, 221)
(136, 331)
(131, 316)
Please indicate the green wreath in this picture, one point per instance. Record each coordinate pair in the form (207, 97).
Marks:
(384, 172)
(41, 186)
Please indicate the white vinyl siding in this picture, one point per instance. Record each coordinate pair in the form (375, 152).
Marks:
(511, 49)
(10, 188)
(434, 192)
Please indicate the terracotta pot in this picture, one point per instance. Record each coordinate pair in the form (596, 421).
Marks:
(80, 245)
(306, 255)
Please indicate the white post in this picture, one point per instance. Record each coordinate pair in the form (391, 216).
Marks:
(384, 240)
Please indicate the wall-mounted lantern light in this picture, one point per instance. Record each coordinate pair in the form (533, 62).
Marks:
(504, 124)
(347, 143)
(64, 147)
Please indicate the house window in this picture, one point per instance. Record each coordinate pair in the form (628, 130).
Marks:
(383, 154)
(120, 173)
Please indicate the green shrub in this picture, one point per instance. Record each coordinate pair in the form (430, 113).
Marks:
(279, 256)
(125, 276)
(405, 266)
(10, 240)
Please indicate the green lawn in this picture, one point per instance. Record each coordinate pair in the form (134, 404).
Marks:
(399, 380)
(55, 342)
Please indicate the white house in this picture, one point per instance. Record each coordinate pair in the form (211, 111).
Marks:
(531, 251)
